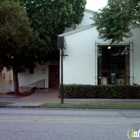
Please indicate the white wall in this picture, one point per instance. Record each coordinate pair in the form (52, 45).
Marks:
(136, 57)
(25, 78)
(79, 65)
(86, 19)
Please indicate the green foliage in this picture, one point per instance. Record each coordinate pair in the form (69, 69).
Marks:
(101, 91)
(28, 39)
(15, 33)
(50, 17)
(116, 20)
(14, 23)
(15, 36)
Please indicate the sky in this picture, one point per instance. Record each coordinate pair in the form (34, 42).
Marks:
(95, 4)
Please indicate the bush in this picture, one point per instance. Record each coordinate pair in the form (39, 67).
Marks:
(101, 91)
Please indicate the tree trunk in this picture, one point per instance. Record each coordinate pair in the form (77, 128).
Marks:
(16, 83)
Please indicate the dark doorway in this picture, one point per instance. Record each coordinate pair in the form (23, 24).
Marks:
(53, 76)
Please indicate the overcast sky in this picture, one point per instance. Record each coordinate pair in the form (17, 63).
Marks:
(95, 4)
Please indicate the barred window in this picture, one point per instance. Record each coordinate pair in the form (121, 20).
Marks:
(113, 65)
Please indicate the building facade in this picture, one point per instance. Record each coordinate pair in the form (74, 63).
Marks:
(92, 61)
(89, 60)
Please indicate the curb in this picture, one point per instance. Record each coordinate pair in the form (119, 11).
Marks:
(51, 107)
(10, 106)
(18, 106)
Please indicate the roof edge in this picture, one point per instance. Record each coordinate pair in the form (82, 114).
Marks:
(89, 11)
(76, 30)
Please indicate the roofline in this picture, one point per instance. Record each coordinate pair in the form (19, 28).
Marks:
(89, 11)
(76, 30)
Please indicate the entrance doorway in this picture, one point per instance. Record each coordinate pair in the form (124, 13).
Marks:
(53, 76)
(113, 65)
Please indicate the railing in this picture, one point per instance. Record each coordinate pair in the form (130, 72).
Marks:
(27, 88)
(38, 84)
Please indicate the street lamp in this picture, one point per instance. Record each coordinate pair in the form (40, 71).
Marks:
(60, 40)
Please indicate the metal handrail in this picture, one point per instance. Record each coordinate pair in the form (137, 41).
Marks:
(37, 84)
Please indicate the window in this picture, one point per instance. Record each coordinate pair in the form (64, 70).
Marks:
(113, 65)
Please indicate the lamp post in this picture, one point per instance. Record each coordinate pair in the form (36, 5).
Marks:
(62, 85)
(60, 40)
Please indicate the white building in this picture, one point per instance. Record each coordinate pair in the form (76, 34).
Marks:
(48, 74)
(90, 61)
(93, 61)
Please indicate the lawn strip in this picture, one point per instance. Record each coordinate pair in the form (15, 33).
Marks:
(91, 105)
(5, 103)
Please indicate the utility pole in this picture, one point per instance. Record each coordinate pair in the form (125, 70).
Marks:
(60, 41)
(62, 86)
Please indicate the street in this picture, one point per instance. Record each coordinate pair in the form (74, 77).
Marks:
(67, 124)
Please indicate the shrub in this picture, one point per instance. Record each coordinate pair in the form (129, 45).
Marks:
(101, 91)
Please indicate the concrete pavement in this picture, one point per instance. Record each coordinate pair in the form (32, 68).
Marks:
(51, 96)
(39, 97)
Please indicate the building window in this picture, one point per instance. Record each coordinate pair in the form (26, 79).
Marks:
(113, 65)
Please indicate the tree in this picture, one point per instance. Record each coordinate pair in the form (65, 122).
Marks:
(49, 18)
(15, 33)
(116, 20)
(24, 42)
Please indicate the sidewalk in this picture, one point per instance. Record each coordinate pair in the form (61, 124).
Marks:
(51, 96)
(39, 97)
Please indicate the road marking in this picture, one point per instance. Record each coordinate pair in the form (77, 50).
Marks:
(72, 121)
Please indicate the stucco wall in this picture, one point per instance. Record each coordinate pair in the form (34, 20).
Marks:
(79, 65)
(136, 56)
(25, 78)
(86, 19)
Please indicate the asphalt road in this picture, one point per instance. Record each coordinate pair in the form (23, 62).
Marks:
(68, 124)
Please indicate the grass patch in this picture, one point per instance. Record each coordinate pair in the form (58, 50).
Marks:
(91, 105)
(5, 103)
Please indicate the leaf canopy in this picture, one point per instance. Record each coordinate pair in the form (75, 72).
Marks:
(50, 17)
(116, 20)
(15, 33)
